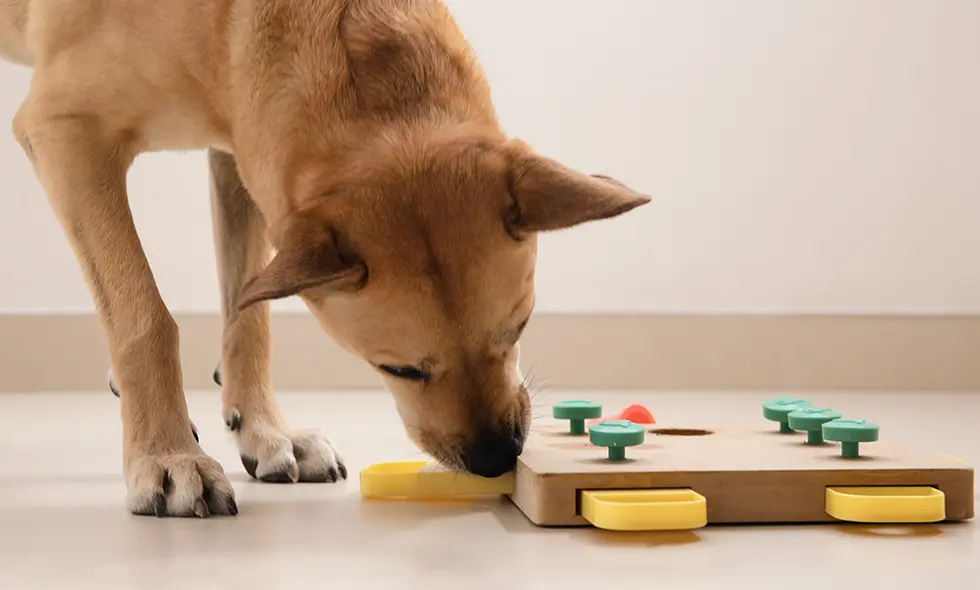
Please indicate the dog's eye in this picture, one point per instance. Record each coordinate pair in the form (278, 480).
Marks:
(408, 373)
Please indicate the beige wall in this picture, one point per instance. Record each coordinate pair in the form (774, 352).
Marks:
(564, 351)
(806, 156)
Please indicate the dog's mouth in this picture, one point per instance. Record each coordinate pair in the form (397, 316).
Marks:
(475, 444)
(488, 455)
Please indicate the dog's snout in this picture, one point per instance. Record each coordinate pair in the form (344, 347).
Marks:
(493, 455)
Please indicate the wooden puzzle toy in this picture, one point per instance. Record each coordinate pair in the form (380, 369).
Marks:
(620, 475)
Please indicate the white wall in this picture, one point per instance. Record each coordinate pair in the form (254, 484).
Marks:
(805, 156)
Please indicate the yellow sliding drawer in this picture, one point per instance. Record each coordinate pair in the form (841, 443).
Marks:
(883, 504)
(420, 480)
(645, 510)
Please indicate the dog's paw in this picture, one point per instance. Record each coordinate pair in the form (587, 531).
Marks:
(272, 454)
(188, 485)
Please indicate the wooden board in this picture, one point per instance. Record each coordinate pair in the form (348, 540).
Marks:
(747, 476)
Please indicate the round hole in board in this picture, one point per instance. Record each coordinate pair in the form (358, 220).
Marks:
(680, 432)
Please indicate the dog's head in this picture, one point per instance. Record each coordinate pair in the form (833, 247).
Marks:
(420, 258)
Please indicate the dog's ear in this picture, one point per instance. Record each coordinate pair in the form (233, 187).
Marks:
(550, 196)
(308, 256)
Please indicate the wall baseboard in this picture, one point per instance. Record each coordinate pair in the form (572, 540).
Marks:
(567, 351)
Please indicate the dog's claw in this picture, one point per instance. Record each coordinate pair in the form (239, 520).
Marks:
(112, 385)
(160, 505)
(201, 509)
(235, 421)
(217, 375)
(250, 464)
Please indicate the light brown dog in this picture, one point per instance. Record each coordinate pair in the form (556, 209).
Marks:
(356, 138)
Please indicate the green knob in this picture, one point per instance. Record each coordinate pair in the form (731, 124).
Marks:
(850, 433)
(778, 410)
(812, 420)
(576, 412)
(616, 435)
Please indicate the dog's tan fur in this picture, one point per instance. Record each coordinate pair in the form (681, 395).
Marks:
(357, 140)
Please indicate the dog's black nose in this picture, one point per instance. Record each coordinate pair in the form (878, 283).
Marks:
(492, 455)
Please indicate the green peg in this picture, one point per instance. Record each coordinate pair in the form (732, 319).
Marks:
(576, 412)
(777, 410)
(812, 420)
(616, 435)
(850, 434)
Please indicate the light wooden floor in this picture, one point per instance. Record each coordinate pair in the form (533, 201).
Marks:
(62, 524)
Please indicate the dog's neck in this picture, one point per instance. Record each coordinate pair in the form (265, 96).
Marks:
(312, 96)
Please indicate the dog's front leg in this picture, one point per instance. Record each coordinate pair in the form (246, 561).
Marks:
(270, 451)
(82, 168)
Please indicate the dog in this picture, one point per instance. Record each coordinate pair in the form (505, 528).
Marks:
(356, 162)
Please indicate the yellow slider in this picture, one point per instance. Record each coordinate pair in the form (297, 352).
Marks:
(883, 504)
(424, 480)
(645, 510)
